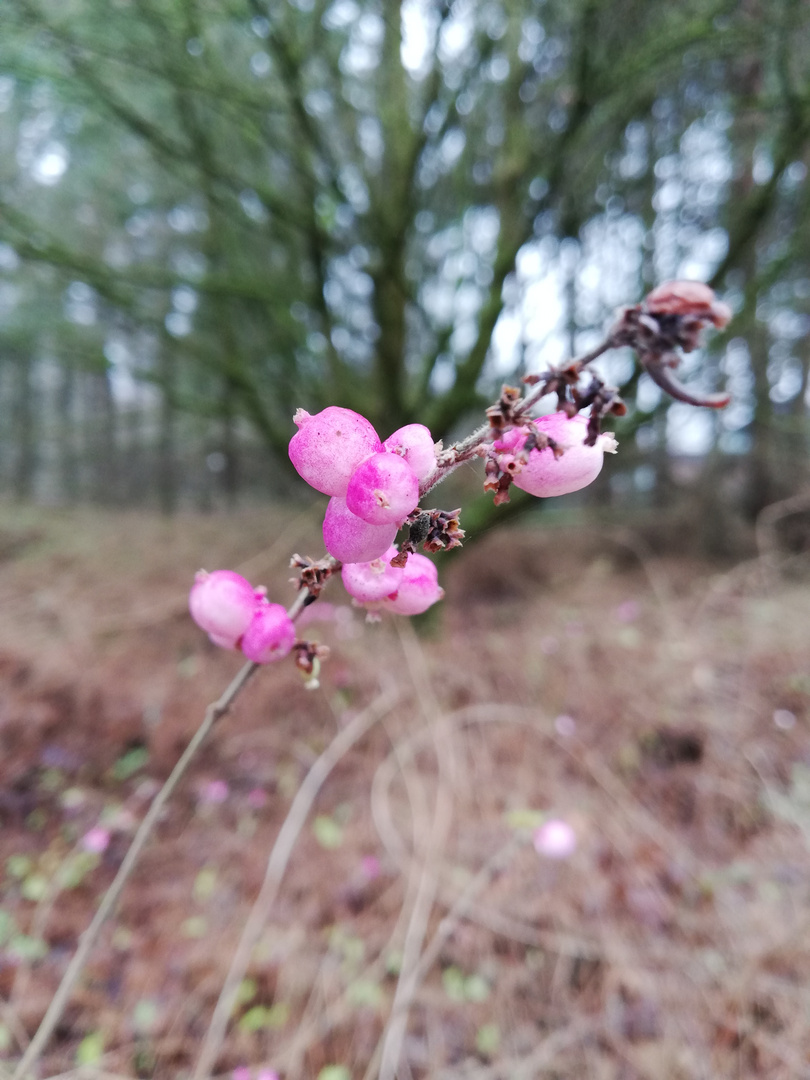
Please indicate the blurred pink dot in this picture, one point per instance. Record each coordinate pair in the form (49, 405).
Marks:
(565, 725)
(96, 840)
(370, 865)
(242, 1073)
(215, 791)
(257, 798)
(267, 1074)
(555, 839)
(628, 611)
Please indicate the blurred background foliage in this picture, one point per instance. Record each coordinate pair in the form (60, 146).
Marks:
(215, 211)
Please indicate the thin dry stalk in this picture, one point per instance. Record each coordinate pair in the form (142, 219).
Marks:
(276, 867)
(432, 844)
(12, 1022)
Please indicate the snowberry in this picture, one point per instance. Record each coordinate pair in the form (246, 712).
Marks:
(351, 539)
(415, 444)
(369, 582)
(418, 589)
(383, 489)
(222, 603)
(546, 475)
(555, 839)
(270, 635)
(329, 446)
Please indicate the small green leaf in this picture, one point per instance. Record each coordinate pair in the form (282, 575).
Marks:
(75, 869)
(130, 763)
(27, 948)
(365, 993)
(204, 884)
(461, 987)
(278, 1015)
(18, 866)
(476, 988)
(327, 832)
(524, 818)
(247, 991)
(188, 667)
(194, 927)
(453, 981)
(51, 780)
(73, 798)
(800, 682)
(35, 887)
(90, 1049)
(393, 962)
(488, 1040)
(145, 1016)
(334, 1072)
(254, 1019)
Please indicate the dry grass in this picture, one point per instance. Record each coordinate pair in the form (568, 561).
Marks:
(674, 944)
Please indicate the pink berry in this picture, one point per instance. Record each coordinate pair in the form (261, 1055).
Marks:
(545, 475)
(222, 603)
(270, 636)
(369, 582)
(555, 839)
(329, 446)
(96, 840)
(511, 440)
(415, 444)
(418, 589)
(224, 642)
(383, 489)
(351, 539)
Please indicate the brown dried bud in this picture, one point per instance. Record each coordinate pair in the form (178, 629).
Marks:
(314, 574)
(445, 530)
(688, 298)
(308, 655)
(502, 493)
(500, 415)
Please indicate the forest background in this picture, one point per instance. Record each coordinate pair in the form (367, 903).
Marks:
(214, 212)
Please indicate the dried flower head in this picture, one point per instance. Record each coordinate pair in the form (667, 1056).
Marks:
(690, 298)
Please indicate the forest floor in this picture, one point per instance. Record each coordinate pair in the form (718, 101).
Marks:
(661, 706)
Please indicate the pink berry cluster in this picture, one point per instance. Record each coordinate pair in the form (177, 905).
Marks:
(402, 590)
(373, 485)
(237, 616)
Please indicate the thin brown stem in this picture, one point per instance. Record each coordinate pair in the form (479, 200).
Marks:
(213, 713)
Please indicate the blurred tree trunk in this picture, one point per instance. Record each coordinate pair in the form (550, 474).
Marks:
(24, 427)
(134, 464)
(66, 435)
(229, 477)
(104, 449)
(166, 464)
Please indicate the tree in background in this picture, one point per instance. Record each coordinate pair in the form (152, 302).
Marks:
(391, 206)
